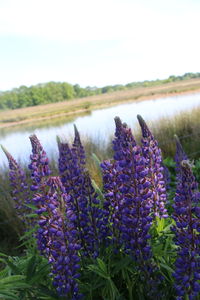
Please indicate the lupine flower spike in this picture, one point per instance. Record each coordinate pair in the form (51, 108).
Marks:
(57, 238)
(134, 188)
(39, 165)
(78, 148)
(187, 238)
(152, 154)
(20, 192)
(128, 194)
(77, 182)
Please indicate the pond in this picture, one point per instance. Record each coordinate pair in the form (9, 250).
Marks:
(98, 125)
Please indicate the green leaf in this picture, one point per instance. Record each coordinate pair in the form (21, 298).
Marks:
(102, 265)
(28, 234)
(4, 273)
(12, 279)
(42, 272)
(15, 270)
(3, 255)
(165, 266)
(4, 295)
(14, 282)
(43, 290)
(31, 268)
(96, 160)
(32, 215)
(98, 191)
(98, 271)
(122, 264)
(31, 206)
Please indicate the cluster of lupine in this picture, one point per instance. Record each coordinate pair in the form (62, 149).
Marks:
(57, 237)
(129, 186)
(20, 190)
(187, 229)
(74, 225)
(90, 222)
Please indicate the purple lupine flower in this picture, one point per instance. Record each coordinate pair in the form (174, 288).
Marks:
(57, 238)
(66, 165)
(113, 202)
(167, 178)
(95, 230)
(127, 193)
(134, 187)
(39, 165)
(152, 154)
(187, 238)
(77, 182)
(20, 192)
(123, 138)
(128, 197)
(78, 149)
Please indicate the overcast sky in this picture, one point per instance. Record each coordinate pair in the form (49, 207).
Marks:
(97, 42)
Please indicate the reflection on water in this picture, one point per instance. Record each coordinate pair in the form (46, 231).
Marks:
(41, 124)
(98, 125)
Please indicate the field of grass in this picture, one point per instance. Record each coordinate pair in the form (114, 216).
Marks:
(70, 108)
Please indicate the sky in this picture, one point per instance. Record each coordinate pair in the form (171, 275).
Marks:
(97, 42)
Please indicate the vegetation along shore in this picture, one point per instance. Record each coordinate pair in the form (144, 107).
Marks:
(15, 116)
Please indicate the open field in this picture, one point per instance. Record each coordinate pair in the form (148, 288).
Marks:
(73, 107)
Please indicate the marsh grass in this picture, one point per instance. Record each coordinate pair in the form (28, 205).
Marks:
(186, 126)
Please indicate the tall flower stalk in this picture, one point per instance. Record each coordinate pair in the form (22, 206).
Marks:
(20, 192)
(187, 238)
(39, 165)
(58, 238)
(113, 202)
(76, 180)
(152, 154)
(128, 194)
(134, 188)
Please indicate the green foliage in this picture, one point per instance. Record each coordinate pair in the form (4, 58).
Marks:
(25, 277)
(112, 276)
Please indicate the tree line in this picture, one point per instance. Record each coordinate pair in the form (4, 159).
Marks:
(52, 92)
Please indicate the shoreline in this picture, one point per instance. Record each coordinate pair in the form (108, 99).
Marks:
(89, 106)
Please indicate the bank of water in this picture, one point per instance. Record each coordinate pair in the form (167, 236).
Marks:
(98, 126)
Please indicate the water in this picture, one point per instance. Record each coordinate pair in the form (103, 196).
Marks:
(99, 125)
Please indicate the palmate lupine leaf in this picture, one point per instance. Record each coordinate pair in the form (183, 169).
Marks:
(13, 282)
(109, 290)
(7, 295)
